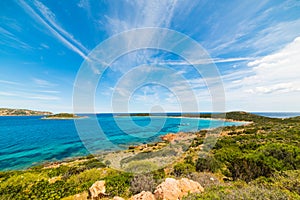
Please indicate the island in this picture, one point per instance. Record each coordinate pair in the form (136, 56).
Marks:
(22, 112)
(63, 116)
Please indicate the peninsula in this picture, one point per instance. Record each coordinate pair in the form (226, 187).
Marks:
(22, 112)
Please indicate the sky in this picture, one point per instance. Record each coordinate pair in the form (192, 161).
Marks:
(255, 46)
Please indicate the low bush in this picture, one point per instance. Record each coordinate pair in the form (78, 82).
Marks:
(183, 169)
(142, 182)
(141, 167)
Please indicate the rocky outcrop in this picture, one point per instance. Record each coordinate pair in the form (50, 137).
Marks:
(181, 136)
(172, 189)
(97, 190)
(143, 196)
(190, 186)
(168, 189)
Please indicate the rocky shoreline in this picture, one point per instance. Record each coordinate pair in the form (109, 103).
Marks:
(166, 140)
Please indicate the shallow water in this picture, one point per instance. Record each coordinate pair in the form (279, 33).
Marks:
(26, 141)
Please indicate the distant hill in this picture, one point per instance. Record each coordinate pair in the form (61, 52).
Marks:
(22, 112)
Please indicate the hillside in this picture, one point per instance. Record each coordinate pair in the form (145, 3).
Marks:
(255, 161)
(21, 112)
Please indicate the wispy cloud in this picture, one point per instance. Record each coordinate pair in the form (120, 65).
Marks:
(7, 94)
(275, 37)
(9, 82)
(45, 17)
(153, 13)
(43, 83)
(85, 4)
(49, 91)
(43, 97)
(12, 40)
(29, 95)
(259, 30)
(204, 61)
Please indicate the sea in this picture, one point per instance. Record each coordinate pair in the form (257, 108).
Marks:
(26, 141)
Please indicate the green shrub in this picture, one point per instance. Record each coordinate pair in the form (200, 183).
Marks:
(287, 156)
(85, 180)
(59, 171)
(183, 169)
(207, 163)
(93, 163)
(118, 184)
(158, 175)
(250, 167)
(73, 171)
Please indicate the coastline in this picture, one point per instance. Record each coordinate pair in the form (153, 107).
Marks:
(64, 118)
(164, 140)
(212, 119)
(177, 156)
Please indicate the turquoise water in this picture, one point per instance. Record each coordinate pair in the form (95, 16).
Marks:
(27, 141)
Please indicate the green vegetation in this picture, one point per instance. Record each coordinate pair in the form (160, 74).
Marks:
(63, 116)
(257, 161)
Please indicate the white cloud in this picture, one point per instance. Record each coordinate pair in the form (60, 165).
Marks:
(272, 83)
(280, 67)
(279, 88)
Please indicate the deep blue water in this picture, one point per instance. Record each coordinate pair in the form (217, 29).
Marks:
(27, 141)
(278, 114)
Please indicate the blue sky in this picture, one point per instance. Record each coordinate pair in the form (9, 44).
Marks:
(254, 44)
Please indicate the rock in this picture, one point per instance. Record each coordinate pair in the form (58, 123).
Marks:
(97, 190)
(143, 196)
(189, 186)
(168, 189)
(172, 189)
(118, 198)
(169, 137)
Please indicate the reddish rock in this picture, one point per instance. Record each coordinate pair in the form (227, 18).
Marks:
(172, 189)
(143, 196)
(169, 137)
(190, 186)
